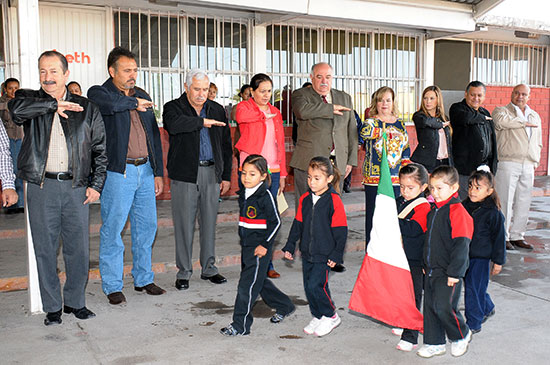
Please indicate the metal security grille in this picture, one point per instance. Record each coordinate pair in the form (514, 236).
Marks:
(363, 61)
(508, 64)
(169, 44)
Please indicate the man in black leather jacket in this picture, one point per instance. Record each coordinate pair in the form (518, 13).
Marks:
(64, 162)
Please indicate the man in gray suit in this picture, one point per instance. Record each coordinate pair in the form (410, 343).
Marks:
(326, 127)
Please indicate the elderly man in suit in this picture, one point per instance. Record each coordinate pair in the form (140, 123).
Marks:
(326, 127)
(519, 143)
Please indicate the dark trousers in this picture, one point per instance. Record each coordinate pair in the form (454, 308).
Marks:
(56, 211)
(254, 282)
(441, 315)
(316, 288)
(418, 283)
(477, 301)
(370, 200)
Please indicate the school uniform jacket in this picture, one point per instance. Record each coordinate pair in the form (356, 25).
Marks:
(413, 229)
(489, 239)
(321, 228)
(259, 219)
(450, 230)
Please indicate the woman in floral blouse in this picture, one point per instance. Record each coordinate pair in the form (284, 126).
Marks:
(383, 116)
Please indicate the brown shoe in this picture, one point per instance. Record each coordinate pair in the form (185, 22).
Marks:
(273, 274)
(116, 298)
(521, 244)
(151, 289)
(509, 246)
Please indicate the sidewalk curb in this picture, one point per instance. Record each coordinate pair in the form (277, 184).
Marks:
(168, 223)
(22, 282)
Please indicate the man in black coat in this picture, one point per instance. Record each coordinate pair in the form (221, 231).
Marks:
(63, 160)
(199, 165)
(474, 140)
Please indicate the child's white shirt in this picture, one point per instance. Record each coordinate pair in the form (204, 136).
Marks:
(249, 191)
(315, 197)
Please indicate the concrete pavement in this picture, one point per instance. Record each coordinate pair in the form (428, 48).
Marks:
(182, 326)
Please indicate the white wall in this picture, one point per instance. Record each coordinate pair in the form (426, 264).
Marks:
(80, 34)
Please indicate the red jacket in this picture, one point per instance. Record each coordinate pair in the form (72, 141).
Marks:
(252, 127)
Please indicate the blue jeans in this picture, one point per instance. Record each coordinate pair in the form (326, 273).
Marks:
(131, 193)
(15, 147)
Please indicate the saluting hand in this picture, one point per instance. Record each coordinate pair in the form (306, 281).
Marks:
(63, 106)
(339, 109)
(211, 122)
(143, 104)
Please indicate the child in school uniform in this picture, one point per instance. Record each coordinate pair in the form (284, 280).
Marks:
(258, 223)
(449, 232)
(488, 247)
(413, 210)
(321, 226)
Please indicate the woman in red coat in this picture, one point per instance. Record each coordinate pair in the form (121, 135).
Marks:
(261, 127)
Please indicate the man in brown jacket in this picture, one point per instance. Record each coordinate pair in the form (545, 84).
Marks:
(519, 142)
(326, 127)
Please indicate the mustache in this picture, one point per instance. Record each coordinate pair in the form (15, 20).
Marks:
(323, 84)
(131, 80)
(48, 82)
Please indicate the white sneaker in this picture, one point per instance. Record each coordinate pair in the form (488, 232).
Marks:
(459, 348)
(428, 351)
(397, 331)
(327, 324)
(310, 328)
(406, 346)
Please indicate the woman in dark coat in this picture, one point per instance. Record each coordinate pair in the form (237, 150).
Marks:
(433, 131)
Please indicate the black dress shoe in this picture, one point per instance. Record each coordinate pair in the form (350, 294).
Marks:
(116, 298)
(182, 284)
(491, 313)
(151, 289)
(82, 313)
(338, 268)
(509, 246)
(521, 244)
(216, 279)
(53, 318)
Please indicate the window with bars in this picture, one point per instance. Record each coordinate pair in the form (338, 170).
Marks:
(497, 63)
(168, 45)
(363, 61)
(2, 53)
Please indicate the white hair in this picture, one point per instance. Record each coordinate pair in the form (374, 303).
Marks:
(321, 63)
(195, 74)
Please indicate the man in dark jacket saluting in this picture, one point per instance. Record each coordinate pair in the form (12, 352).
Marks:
(474, 141)
(63, 160)
(199, 165)
(134, 176)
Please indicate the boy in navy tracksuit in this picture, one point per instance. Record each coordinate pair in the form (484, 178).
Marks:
(449, 232)
(488, 245)
(258, 224)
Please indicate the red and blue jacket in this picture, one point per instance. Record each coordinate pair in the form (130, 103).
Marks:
(259, 218)
(321, 228)
(450, 230)
(413, 229)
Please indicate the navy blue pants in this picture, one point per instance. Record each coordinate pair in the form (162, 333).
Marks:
(441, 315)
(254, 282)
(316, 288)
(477, 301)
(418, 283)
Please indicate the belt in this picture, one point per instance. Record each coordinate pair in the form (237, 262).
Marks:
(59, 176)
(137, 161)
(206, 163)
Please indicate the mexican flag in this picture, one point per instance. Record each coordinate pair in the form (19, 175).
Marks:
(384, 288)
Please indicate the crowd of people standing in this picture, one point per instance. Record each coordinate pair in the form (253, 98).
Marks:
(73, 150)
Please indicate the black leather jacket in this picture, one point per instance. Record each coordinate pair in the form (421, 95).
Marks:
(84, 132)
